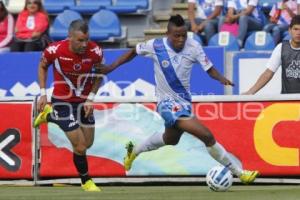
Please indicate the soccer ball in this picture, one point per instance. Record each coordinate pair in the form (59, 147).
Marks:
(219, 179)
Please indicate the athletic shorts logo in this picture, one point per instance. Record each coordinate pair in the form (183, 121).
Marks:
(73, 124)
(176, 108)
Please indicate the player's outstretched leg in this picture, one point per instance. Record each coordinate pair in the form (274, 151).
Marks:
(216, 150)
(155, 141)
(42, 116)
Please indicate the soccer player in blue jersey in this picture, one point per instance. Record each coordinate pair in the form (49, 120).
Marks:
(173, 58)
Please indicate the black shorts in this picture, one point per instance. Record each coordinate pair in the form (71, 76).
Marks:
(70, 116)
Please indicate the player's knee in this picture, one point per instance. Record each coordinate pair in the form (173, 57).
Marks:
(173, 141)
(80, 149)
(209, 139)
(89, 145)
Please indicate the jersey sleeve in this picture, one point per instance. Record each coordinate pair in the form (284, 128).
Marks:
(219, 3)
(202, 58)
(253, 3)
(275, 60)
(50, 53)
(231, 4)
(145, 48)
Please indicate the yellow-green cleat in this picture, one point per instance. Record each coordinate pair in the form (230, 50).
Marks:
(90, 186)
(130, 156)
(248, 177)
(42, 117)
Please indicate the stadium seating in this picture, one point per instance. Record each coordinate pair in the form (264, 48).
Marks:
(104, 25)
(59, 28)
(129, 6)
(90, 6)
(14, 6)
(224, 39)
(259, 40)
(57, 6)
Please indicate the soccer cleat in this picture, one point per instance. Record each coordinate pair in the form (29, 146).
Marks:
(90, 186)
(42, 117)
(130, 156)
(248, 177)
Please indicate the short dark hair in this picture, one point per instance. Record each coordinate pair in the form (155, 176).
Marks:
(295, 21)
(79, 25)
(176, 20)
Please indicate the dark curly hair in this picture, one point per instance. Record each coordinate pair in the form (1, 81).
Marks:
(176, 20)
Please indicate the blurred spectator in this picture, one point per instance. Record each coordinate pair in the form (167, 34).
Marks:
(31, 26)
(247, 14)
(280, 18)
(206, 17)
(6, 28)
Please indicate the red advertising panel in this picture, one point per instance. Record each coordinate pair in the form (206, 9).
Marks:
(16, 140)
(262, 135)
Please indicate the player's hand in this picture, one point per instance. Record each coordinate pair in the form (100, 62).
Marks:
(194, 27)
(41, 103)
(88, 108)
(246, 93)
(225, 81)
(200, 27)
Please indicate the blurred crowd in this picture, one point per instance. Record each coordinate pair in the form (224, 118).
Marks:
(205, 17)
(241, 17)
(28, 32)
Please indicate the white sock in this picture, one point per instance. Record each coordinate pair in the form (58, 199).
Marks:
(218, 152)
(153, 142)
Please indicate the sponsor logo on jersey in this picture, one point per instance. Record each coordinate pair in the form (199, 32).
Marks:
(175, 60)
(77, 67)
(65, 58)
(86, 60)
(165, 63)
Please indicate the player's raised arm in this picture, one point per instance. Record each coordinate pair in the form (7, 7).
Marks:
(126, 57)
(213, 73)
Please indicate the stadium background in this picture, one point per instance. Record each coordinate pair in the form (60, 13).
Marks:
(260, 130)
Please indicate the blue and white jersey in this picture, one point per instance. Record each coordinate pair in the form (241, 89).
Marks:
(240, 5)
(172, 69)
(206, 7)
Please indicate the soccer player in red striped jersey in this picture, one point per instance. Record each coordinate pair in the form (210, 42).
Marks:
(76, 61)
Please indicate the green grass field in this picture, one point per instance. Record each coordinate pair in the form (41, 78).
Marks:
(262, 192)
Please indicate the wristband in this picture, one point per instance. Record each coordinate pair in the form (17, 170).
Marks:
(43, 92)
(91, 96)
